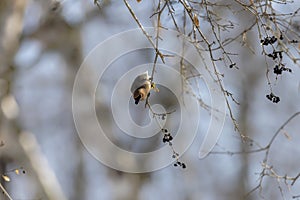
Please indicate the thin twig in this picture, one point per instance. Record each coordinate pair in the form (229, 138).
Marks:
(5, 192)
(143, 30)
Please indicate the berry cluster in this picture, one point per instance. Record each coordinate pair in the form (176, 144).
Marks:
(273, 98)
(279, 69)
(181, 164)
(275, 55)
(167, 136)
(268, 40)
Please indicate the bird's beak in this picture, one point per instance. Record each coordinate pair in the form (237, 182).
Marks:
(137, 96)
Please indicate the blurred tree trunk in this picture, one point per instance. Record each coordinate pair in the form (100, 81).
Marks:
(248, 89)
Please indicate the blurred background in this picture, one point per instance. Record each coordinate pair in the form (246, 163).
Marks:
(43, 44)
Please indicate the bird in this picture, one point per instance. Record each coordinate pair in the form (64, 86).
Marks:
(141, 87)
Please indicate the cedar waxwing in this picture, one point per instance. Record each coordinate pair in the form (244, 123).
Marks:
(141, 87)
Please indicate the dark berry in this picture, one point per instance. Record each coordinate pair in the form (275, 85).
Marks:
(277, 70)
(167, 137)
(281, 37)
(273, 39)
(273, 98)
(232, 65)
(276, 99)
(165, 130)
